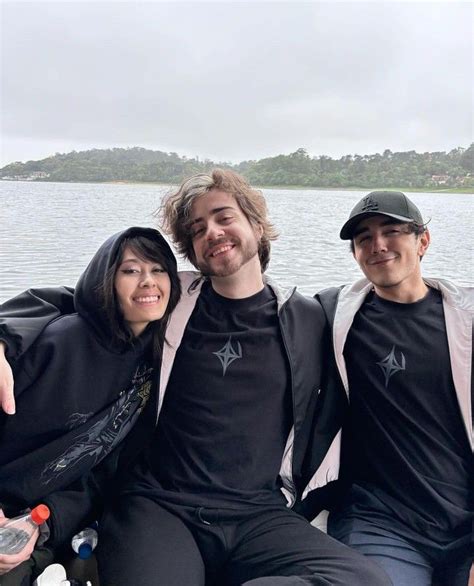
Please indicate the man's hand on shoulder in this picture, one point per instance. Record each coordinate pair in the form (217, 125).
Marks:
(7, 399)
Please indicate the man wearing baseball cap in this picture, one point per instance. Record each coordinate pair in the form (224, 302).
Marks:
(403, 350)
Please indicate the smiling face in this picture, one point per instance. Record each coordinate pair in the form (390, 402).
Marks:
(389, 255)
(225, 243)
(143, 290)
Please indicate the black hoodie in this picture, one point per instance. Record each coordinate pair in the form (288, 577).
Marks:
(79, 390)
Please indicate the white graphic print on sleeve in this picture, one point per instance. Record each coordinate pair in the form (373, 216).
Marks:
(97, 439)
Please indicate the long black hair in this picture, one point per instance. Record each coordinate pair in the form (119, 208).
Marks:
(147, 249)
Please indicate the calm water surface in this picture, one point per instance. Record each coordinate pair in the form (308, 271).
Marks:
(50, 231)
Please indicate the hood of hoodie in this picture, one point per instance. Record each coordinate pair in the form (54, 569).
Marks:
(87, 300)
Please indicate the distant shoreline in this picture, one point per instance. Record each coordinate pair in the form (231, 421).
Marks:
(437, 172)
(467, 190)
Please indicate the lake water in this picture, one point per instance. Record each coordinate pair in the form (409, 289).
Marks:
(49, 232)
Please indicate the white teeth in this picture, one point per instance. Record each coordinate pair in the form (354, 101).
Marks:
(149, 299)
(221, 249)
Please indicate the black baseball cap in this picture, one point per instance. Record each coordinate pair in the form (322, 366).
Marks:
(393, 204)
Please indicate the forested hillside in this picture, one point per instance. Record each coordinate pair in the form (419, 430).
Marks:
(437, 170)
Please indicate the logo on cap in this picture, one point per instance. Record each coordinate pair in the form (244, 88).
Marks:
(369, 205)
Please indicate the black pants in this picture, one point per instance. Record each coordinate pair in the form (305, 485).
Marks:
(145, 543)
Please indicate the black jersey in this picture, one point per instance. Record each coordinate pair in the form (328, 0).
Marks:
(407, 442)
(227, 410)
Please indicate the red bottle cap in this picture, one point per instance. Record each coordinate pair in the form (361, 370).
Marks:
(40, 514)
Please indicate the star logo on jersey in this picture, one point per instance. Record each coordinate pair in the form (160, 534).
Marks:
(390, 365)
(227, 354)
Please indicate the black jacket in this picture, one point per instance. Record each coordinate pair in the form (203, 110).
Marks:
(318, 409)
(79, 390)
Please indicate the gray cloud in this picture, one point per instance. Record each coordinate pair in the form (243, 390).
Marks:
(236, 80)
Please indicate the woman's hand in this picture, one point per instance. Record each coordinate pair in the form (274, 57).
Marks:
(8, 562)
(7, 399)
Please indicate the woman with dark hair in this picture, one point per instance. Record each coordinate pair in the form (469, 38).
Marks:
(80, 389)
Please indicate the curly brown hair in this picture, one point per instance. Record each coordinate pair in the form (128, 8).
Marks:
(175, 210)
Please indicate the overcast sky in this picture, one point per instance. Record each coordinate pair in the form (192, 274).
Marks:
(236, 80)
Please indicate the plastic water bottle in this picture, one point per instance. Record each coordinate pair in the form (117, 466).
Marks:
(16, 532)
(84, 542)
